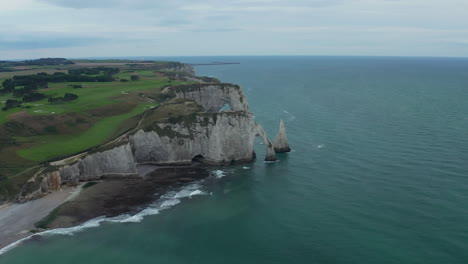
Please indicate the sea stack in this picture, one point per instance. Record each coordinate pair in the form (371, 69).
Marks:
(281, 140)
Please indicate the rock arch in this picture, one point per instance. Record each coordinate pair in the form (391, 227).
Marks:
(270, 150)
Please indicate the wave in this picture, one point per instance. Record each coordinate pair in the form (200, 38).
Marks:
(170, 203)
(219, 173)
(166, 201)
(291, 116)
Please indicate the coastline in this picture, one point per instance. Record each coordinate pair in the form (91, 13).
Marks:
(17, 220)
(106, 199)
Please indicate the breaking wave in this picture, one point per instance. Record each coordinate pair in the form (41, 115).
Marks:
(219, 173)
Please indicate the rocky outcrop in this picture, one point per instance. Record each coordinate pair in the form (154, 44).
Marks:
(216, 138)
(178, 67)
(213, 97)
(281, 144)
(117, 161)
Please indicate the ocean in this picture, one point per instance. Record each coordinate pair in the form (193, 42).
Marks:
(378, 174)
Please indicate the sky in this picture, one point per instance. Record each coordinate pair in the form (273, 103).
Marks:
(108, 28)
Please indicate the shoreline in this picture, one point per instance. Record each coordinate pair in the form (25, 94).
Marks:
(101, 201)
(17, 220)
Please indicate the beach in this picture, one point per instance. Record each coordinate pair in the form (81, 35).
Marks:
(109, 197)
(17, 220)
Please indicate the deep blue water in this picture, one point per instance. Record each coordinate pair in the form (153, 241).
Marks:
(378, 173)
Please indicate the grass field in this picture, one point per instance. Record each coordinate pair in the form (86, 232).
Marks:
(52, 146)
(92, 95)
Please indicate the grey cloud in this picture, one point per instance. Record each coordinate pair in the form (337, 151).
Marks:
(177, 4)
(174, 22)
(82, 3)
(217, 30)
(131, 4)
(26, 43)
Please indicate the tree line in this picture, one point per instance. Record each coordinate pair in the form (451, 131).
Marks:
(31, 97)
(38, 62)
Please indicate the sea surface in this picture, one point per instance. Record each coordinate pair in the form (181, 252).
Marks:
(378, 174)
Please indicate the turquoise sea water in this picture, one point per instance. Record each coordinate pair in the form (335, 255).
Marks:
(378, 174)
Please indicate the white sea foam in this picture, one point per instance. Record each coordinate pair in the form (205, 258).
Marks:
(13, 245)
(320, 146)
(219, 173)
(291, 116)
(139, 217)
(246, 168)
(183, 194)
(196, 192)
(188, 194)
(169, 203)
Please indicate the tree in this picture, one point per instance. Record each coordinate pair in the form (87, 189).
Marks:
(33, 97)
(134, 77)
(70, 97)
(11, 104)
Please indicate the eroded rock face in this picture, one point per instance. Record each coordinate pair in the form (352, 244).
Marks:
(181, 67)
(117, 161)
(214, 96)
(218, 138)
(281, 144)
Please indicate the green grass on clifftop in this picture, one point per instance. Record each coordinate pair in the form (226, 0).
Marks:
(52, 146)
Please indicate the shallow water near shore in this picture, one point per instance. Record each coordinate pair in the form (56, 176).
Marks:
(378, 174)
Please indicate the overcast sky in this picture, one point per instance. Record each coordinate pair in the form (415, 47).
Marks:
(89, 28)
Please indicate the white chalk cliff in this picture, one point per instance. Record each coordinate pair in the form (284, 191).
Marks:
(209, 136)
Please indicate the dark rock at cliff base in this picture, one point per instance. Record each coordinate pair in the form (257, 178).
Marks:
(118, 196)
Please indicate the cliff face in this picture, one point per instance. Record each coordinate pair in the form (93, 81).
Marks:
(211, 137)
(281, 140)
(214, 96)
(117, 161)
(179, 67)
(215, 138)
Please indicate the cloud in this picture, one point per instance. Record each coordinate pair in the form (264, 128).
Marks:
(173, 21)
(190, 5)
(82, 3)
(216, 30)
(207, 27)
(26, 43)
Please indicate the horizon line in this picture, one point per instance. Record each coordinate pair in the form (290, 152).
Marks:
(192, 56)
